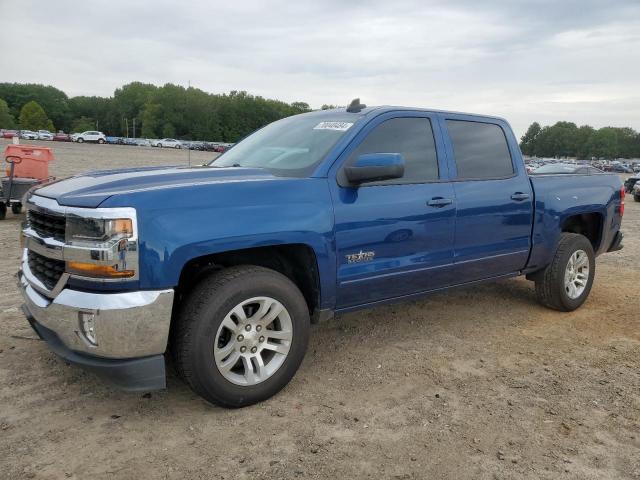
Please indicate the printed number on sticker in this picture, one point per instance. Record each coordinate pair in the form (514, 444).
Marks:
(341, 126)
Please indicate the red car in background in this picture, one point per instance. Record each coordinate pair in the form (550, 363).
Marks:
(9, 133)
(61, 137)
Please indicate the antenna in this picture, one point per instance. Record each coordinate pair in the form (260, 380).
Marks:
(355, 106)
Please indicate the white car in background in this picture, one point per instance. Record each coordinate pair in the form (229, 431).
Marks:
(90, 136)
(45, 135)
(167, 143)
(28, 135)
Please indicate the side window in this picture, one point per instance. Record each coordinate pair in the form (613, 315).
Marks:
(480, 150)
(413, 138)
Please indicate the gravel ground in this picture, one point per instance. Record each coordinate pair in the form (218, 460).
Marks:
(476, 383)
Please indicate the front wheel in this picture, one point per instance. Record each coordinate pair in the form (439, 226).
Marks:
(566, 282)
(80, 140)
(16, 208)
(241, 335)
(100, 141)
(177, 146)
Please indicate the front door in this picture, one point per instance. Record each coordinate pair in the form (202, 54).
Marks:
(395, 237)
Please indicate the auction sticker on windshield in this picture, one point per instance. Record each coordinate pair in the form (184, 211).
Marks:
(340, 126)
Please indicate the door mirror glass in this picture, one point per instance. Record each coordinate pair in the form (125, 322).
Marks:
(375, 167)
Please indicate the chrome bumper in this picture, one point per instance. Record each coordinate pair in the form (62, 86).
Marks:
(127, 325)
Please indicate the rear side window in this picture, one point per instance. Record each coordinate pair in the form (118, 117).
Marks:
(413, 138)
(480, 150)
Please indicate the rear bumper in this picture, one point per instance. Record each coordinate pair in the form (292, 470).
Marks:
(616, 244)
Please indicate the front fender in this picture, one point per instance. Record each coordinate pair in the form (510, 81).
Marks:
(178, 225)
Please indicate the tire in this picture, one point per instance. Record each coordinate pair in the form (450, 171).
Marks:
(80, 140)
(199, 324)
(16, 208)
(100, 141)
(178, 147)
(636, 198)
(551, 289)
(3, 211)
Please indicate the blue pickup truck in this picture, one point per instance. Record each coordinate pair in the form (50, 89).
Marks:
(224, 266)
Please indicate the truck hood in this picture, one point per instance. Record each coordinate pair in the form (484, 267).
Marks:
(91, 189)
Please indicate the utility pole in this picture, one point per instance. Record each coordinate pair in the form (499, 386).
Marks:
(134, 128)
(126, 122)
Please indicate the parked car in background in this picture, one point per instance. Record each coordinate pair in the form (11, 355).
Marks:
(45, 135)
(220, 148)
(91, 136)
(620, 169)
(28, 135)
(113, 140)
(560, 168)
(636, 192)
(142, 142)
(61, 137)
(630, 182)
(167, 143)
(9, 133)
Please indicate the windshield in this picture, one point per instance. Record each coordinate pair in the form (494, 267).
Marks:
(291, 147)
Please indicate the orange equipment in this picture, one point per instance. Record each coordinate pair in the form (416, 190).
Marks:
(27, 167)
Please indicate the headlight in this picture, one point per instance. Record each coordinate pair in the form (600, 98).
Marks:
(97, 232)
(102, 248)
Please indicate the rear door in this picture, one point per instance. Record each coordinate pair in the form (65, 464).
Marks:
(395, 237)
(494, 198)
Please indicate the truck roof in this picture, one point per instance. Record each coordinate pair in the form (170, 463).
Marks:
(394, 108)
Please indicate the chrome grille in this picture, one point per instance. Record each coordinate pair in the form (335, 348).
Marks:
(47, 270)
(47, 225)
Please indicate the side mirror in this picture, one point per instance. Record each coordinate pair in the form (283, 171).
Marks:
(375, 167)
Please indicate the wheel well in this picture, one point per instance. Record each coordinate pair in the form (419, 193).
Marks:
(295, 261)
(587, 224)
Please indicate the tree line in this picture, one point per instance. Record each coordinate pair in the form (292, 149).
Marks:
(156, 112)
(566, 139)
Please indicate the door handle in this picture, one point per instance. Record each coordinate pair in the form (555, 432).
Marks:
(439, 202)
(519, 196)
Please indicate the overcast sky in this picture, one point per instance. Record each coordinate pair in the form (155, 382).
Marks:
(524, 60)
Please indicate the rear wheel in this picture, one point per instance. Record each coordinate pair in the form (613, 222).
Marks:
(177, 146)
(3, 211)
(241, 335)
(566, 282)
(636, 198)
(100, 141)
(16, 208)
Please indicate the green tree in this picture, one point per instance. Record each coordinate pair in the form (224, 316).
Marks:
(528, 140)
(6, 119)
(51, 99)
(168, 131)
(151, 120)
(83, 124)
(33, 117)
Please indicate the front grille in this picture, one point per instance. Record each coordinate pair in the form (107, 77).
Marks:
(47, 225)
(47, 270)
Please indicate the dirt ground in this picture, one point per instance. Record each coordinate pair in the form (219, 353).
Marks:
(480, 383)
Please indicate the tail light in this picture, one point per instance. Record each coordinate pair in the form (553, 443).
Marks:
(622, 193)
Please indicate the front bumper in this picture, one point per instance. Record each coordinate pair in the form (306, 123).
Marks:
(131, 331)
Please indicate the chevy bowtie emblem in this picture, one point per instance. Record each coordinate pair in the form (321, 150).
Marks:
(360, 257)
